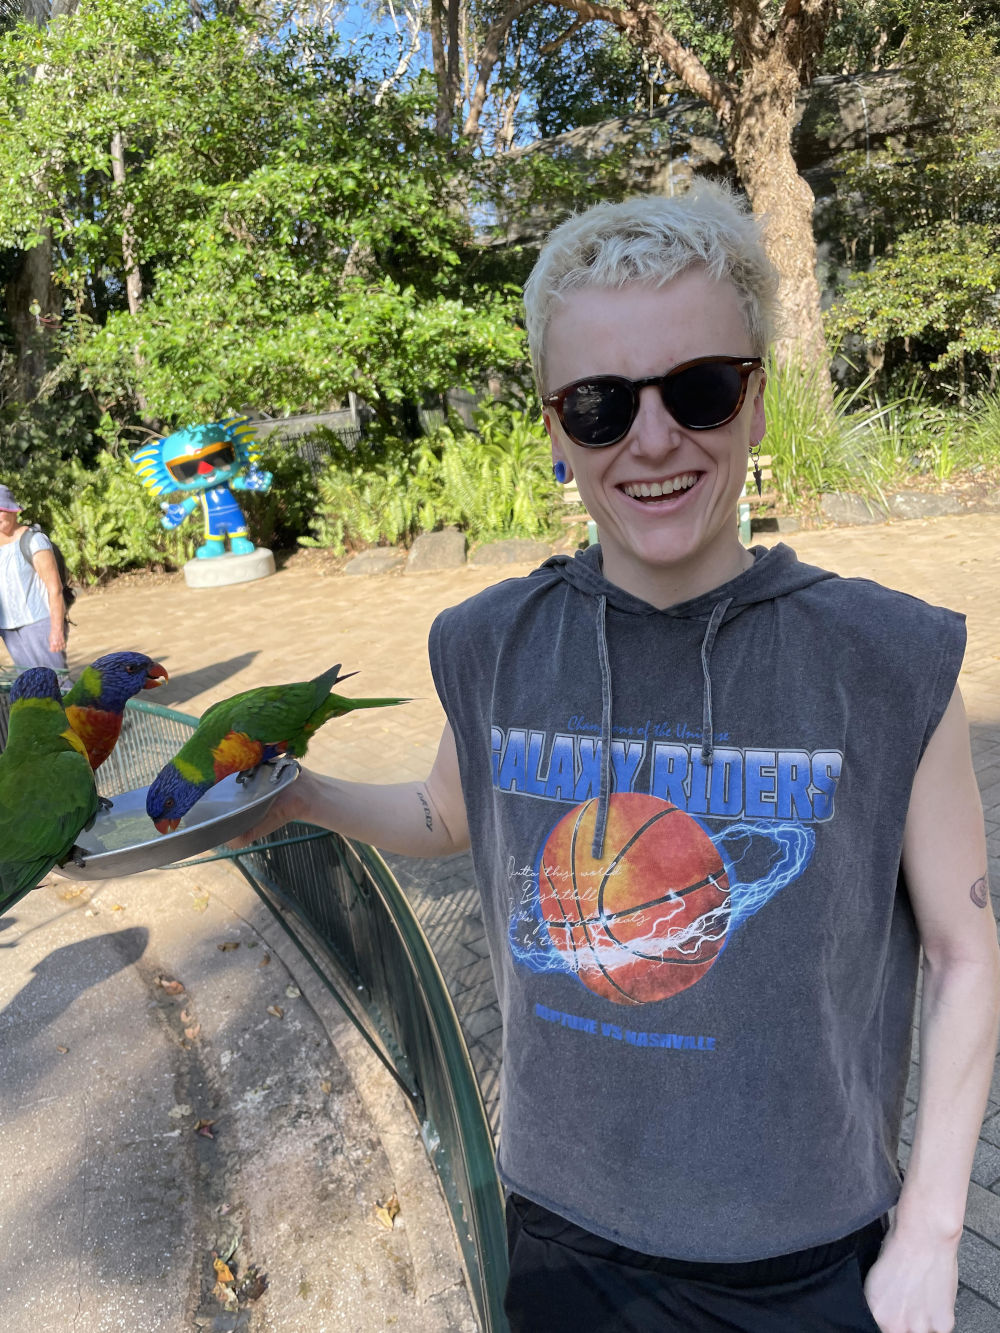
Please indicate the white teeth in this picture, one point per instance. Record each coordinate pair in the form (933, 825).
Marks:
(655, 488)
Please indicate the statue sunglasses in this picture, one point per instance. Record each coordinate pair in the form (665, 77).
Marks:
(215, 455)
(700, 395)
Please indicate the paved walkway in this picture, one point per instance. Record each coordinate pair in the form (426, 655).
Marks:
(215, 642)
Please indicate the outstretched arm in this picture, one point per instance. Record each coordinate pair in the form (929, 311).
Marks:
(912, 1286)
(411, 818)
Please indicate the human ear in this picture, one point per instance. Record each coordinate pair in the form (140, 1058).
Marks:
(559, 459)
(758, 425)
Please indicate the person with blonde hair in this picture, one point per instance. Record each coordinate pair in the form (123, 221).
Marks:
(719, 803)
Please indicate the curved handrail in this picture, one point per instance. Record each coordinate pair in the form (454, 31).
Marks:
(361, 930)
(392, 969)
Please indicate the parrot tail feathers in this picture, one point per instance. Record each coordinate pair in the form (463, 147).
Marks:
(21, 879)
(336, 705)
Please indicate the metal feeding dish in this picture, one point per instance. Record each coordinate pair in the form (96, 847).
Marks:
(123, 841)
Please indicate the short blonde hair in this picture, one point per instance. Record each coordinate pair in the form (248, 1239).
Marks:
(652, 240)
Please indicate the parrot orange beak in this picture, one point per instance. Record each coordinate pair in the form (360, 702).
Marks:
(155, 675)
(165, 825)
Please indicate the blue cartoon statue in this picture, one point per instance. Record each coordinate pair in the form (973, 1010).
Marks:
(209, 462)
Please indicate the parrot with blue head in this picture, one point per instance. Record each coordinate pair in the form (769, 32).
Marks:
(95, 705)
(47, 790)
(239, 734)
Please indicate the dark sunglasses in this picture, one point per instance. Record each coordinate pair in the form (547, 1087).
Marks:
(700, 395)
(186, 468)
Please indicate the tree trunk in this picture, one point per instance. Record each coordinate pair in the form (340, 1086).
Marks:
(760, 141)
(28, 295)
(30, 290)
(439, 61)
(133, 278)
(775, 50)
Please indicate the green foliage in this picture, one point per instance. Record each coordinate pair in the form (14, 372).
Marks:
(812, 448)
(38, 439)
(939, 288)
(497, 482)
(981, 443)
(867, 443)
(298, 236)
(492, 482)
(580, 75)
(928, 211)
(368, 501)
(278, 518)
(106, 521)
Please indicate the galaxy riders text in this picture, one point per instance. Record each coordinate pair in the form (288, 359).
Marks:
(737, 783)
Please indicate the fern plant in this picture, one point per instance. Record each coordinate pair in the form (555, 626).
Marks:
(108, 522)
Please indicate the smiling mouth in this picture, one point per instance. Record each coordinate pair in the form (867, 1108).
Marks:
(655, 490)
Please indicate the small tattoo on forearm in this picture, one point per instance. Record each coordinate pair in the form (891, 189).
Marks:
(980, 892)
(430, 822)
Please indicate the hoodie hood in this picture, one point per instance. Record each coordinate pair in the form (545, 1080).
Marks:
(774, 573)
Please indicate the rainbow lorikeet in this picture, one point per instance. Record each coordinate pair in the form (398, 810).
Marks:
(238, 734)
(96, 703)
(47, 791)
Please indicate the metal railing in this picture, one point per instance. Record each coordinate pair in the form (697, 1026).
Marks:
(340, 904)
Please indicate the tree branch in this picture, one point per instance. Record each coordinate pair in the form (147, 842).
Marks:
(547, 48)
(492, 47)
(641, 22)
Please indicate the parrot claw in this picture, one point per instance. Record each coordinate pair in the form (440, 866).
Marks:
(279, 765)
(103, 805)
(246, 776)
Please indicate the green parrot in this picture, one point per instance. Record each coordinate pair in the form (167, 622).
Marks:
(238, 734)
(47, 791)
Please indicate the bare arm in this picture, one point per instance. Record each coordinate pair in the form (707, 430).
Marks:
(412, 818)
(913, 1285)
(44, 564)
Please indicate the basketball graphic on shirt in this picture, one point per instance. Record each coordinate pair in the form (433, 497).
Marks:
(648, 917)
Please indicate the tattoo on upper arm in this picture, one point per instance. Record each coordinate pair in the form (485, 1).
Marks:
(980, 891)
(428, 820)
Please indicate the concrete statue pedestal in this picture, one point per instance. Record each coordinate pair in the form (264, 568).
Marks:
(218, 571)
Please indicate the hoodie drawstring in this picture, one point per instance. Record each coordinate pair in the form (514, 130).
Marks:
(602, 799)
(707, 729)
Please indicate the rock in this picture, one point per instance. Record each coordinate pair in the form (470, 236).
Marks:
(379, 560)
(436, 550)
(850, 510)
(917, 504)
(515, 550)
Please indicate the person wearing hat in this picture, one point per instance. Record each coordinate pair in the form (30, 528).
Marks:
(32, 610)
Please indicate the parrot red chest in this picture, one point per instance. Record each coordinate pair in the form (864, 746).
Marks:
(97, 728)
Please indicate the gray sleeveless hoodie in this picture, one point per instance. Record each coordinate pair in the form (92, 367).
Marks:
(686, 827)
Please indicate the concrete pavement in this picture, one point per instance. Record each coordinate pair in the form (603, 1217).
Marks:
(217, 641)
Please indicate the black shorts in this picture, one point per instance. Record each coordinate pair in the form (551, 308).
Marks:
(567, 1280)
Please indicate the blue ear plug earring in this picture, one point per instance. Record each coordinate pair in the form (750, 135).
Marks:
(559, 472)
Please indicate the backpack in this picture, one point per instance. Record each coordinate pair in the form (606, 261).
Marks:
(69, 596)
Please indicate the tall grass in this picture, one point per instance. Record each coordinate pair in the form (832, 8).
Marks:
(860, 442)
